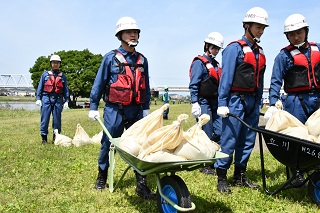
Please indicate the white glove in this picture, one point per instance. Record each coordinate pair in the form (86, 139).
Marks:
(66, 105)
(145, 112)
(223, 111)
(196, 110)
(93, 114)
(270, 112)
(39, 103)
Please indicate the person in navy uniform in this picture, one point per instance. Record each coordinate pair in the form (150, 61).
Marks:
(297, 68)
(52, 97)
(205, 73)
(123, 81)
(240, 92)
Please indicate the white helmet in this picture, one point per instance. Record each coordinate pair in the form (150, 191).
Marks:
(55, 58)
(295, 22)
(126, 23)
(256, 15)
(215, 38)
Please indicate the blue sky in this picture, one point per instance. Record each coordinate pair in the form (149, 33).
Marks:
(172, 31)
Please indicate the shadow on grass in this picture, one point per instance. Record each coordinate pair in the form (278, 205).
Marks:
(294, 195)
(207, 207)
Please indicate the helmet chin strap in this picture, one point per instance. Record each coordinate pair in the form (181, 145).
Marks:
(212, 56)
(257, 40)
(132, 44)
(299, 45)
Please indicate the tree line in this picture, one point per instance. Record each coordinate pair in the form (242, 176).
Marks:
(80, 68)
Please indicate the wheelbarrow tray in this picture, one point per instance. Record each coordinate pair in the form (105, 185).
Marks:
(146, 167)
(296, 154)
(291, 151)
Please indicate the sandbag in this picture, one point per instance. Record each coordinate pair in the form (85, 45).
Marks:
(312, 138)
(140, 130)
(81, 137)
(196, 145)
(130, 146)
(313, 123)
(165, 138)
(281, 120)
(61, 140)
(297, 131)
(163, 156)
(96, 139)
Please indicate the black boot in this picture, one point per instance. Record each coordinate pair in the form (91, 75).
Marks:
(222, 181)
(208, 170)
(101, 179)
(298, 181)
(44, 139)
(142, 189)
(240, 179)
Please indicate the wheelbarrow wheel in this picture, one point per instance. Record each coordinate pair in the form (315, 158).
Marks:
(314, 193)
(176, 190)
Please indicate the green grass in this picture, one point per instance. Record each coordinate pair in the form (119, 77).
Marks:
(37, 178)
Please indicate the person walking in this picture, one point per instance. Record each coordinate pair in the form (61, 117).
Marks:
(297, 67)
(240, 91)
(123, 81)
(166, 99)
(204, 76)
(52, 97)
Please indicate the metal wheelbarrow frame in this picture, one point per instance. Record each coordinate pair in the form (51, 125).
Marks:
(171, 189)
(294, 153)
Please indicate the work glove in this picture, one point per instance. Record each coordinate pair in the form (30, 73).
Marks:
(145, 112)
(196, 110)
(269, 112)
(93, 114)
(66, 105)
(39, 103)
(223, 111)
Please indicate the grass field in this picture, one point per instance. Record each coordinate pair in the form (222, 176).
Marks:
(49, 178)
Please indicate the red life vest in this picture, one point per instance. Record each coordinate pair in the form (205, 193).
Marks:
(54, 84)
(209, 86)
(304, 74)
(130, 85)
(248, 76)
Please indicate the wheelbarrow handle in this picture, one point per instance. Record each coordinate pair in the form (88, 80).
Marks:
(242, 121)
(103, 127)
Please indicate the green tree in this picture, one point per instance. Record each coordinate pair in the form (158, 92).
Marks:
(80, 68)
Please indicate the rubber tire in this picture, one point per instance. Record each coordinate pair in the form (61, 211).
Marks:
(313, 192)
(174, 188)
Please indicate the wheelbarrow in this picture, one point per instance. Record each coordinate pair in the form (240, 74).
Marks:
(295, 154)
(172, 193)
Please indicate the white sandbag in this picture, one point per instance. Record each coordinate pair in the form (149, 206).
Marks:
(61, 140)
(81, 137)
(163, 156)
(130, 146)
(140, 130)
(298, 132)
(313, 123)
(281, 120)
(96, 139)
(196, 145)
(312, 138)
(165, 138)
